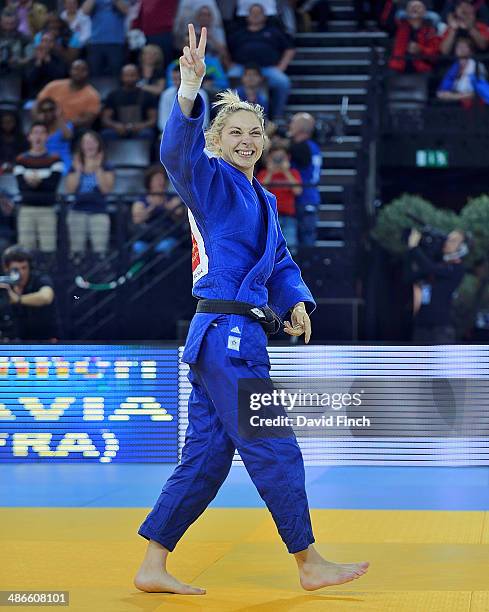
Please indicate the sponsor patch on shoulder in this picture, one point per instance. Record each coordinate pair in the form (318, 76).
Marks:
(233, 343)
(236, 330)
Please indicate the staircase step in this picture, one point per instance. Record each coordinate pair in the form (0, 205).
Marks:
(332, 53)
(338, 176)
(331, 80)
(326, 96)
(329, 66)
(339, 159)
(338, 38)
(331, 244)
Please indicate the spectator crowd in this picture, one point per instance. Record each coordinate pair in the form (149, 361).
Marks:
(86, 77)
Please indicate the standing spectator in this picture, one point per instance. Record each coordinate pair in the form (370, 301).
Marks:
(44, 67)
(268, 47)
(151, 65)
(168, 98)
(156, 19)
(158, 216)
(416, 44)
(480, 7)
(78, 21)
(463, 24)
(251, 88)
(31, 15)
(129, 112)
(307, 159)
(78, 100)
(89, 180)
(459, 82)
(105, 49)
(285, 183)
(12, 140)
(60, 131)
(38, 173)
(66, 42)
(15, 47)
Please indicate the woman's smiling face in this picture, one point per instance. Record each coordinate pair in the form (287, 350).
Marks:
(241, 141)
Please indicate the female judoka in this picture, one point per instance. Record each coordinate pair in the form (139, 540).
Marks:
(242, 272)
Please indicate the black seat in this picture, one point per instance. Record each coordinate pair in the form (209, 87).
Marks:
(128, 153)
(10, 89)
(129, 182)
(105, 84)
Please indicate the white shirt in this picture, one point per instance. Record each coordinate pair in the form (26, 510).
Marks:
(463, 84)
(166, 102)
(81, 24)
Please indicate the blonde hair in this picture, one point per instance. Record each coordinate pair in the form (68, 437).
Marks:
(157, 51)
(229, 103)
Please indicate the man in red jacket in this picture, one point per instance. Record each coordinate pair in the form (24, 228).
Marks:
(416, 44)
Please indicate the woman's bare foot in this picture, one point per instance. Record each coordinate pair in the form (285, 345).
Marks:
(316, 573)
(152, 576)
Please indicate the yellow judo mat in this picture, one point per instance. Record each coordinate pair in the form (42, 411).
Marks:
(421, 561)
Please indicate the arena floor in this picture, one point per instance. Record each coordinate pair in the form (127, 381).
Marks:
(425, 531)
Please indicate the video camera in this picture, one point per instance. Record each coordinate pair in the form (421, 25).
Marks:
(433, 239)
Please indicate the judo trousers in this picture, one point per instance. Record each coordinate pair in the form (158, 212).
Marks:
(274, 464)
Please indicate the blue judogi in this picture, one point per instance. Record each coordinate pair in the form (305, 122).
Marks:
(239, 253)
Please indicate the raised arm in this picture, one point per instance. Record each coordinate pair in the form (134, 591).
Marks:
(192, 70)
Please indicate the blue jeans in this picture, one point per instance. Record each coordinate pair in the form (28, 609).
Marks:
(307, 217)
(165, 246)
(278, 82)
(289, 230)
(275, 464)
(106, 59)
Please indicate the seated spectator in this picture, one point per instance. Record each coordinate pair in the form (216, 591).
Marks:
(151, 67)
(251, 88)
(31, 16)
(416, 44)
(168, 98)
(79, 23)
(78, 101)
(306, 157)
(268, 47)
(38, 173)
(32, 313)
(458, 84)
(12, 140)
(202, 13)
(155, 19)
(15, 47)
(90, 180)
(60, 131)
(105, 47)
(129, 112)
(157, 215)
(43, 67)
(463, 24)
(66, 42)
(215, 76)
(285, 183)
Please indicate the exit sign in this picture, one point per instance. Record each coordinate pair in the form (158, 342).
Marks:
(431, 158)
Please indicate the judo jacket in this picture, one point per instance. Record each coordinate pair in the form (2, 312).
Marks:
(238, 249)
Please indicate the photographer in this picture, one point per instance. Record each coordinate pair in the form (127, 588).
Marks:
(28, 307)
(436, 277)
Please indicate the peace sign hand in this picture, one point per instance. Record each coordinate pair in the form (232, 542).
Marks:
(192, 64)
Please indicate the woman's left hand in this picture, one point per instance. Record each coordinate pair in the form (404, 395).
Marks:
(300, 323)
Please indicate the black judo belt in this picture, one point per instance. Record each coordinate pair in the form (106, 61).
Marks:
(270, 321)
